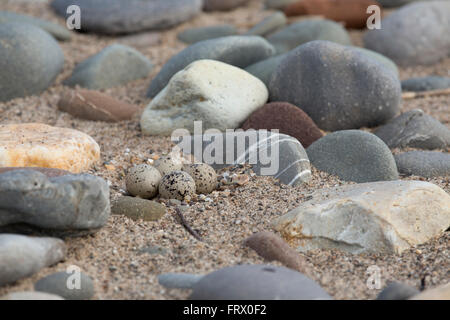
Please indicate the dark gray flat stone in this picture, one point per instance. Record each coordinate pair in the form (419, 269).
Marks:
(428, 164)
(66, 285)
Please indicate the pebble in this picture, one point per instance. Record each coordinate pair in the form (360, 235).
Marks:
(143, 181)
(345, 88)
(388, 63)
(352, 13)
(166, 165)
(385, 217)
(115, 65)
(263, 70)
(288, 119)
(414, 129)
(177, 185)
(222, 5)
(395, 3)
(102, 16)
(49, 172)
(288, 163)
(30, 295)
(273, 248)
(426, 83)
(410, 43)
(257, 282)
(194, 35)
(277, 4)
(353, 155)
(204, 175)
(22, 256)
(94, 105)
(40, 145)
(397, 291)
(137, 208)
(269, 25)
(302, 32)
(31, 60)
(218, 94)
(178, 280)
(428, 164)
(65, 204)
(57, 31)
(239, 51)
(154, 250)
(61, 283)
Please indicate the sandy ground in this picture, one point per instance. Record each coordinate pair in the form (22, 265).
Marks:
(112, 256)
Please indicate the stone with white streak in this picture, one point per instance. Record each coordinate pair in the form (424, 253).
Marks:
(379, 217)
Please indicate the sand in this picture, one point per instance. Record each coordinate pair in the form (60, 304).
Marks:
(112, 256)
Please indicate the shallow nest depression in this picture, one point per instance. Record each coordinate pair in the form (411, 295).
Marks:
(112, 256)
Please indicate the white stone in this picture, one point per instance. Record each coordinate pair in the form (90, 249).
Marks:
(379, 217)
(220, 95)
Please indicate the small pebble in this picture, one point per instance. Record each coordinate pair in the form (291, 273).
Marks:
(178, 280)
(137, 208)
(67, 285)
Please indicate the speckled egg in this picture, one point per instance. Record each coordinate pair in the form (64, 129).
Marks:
(177, 185)
(204, 175)
(166, 165)
(143, 181)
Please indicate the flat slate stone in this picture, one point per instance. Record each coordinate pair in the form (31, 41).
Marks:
(414, 129)
(264, 69)
(257, 282)
(57, 283)
(338, 86)
(31, 59)
(66, 203)
(239, 51)
(353, 155)
(137, 208)
(113, 66)
(426, 83)
(278, 4)
(271, 154)
(397, 291)
(22, 256)
(309, 30)
(428, 164)
(130, 16)
(269, 24)
(178, 280)
(204, 33)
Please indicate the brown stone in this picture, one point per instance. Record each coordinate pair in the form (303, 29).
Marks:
(287, 118)
(49, 172)
(222, 5)
(94, 105)
(353, 13)
(271, 247)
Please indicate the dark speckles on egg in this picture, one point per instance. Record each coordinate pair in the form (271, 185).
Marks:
(143, 181)
(204, 175)
(177, 185)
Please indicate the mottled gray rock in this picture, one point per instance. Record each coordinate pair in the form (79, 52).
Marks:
(222, 5)
(30, 295)
(119, 17)
(57, 31)
(397, 291)
(415, 34)
(113, 66)
(66, 203)
(278, 4)
(271, 154)
(257, 282)
(353, 155)
(339, 87)
(204, 33)
(178, 280)
(428, 164)
(309, 30)
(30, 60)
(137, 208)
(263, 70)
(269, 25)
(414, 129)
(71, 285)
(388, 63)
(22, 256)
(239, 51)
(426, 83)
(385, 217)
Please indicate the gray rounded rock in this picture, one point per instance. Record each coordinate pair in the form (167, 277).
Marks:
(30, 60)
(178, 280)
(428, 164)
(353, 155)
(414, 129)
(177, 185)
(415, 34)
(143, 181)
(204, 33)
(113, 66)
(309, 30)
(130, 16)
(137, 208)
(395, 3)
(66, 285)
(263, 70)
(339, 87)
(278, 4)
(397, 291)
(239, 51)
(257, 282)
(269, 25)
(426, 83)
